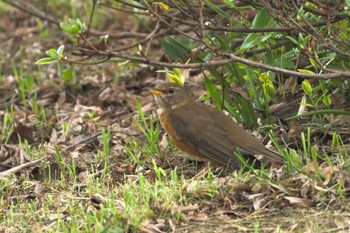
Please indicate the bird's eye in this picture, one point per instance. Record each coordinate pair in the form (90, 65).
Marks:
(171, 90)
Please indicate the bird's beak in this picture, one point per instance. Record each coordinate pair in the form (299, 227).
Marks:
(151, 89)
(155, 92)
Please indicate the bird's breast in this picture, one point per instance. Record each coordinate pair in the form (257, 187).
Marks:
(168, 126)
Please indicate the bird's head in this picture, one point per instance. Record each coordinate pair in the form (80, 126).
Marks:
(170, 95)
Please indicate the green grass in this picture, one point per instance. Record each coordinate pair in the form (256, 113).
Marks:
(65, 206)
(102, 204)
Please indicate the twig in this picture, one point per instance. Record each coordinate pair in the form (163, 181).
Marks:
(14, 170)
(28, 8)
(122, 10)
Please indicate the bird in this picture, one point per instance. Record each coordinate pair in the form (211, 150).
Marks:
(202, 131)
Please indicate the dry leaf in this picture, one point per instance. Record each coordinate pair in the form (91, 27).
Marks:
(297, 202)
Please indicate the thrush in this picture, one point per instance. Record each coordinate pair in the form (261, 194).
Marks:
(204, 132)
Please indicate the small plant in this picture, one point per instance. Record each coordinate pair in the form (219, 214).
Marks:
(149, 129)
(25, 84)
(8, 125)
(56, 56)
(175, 75)
(317, 95)
(105, 154)
(73, 27)
(160, 173)
(53, 55)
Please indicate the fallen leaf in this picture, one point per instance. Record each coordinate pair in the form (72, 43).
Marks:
(297, 202)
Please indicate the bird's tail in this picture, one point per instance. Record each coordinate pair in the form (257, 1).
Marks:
(271, 154)
(260, 149)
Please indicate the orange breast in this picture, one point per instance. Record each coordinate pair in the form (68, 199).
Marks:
(168, 126)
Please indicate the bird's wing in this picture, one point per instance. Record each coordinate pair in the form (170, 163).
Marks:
(243, 140)
(201, 133)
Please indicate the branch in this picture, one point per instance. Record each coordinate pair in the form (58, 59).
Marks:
(14, 170)
(220, 62)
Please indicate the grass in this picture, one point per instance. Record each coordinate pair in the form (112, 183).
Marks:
(100, 204)
(64, 206)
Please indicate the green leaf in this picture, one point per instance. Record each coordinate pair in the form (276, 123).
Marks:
(68, 75)
(269, 89)
(45, 60)
(65, 27)
(306, 71)
(250, 41)
(327, 100)
(217, 9)
(72, 21)
(223, 43)
(75, 30)
(312, 5)
(73, 27)
(307, 39)
(176, 76)
(230, 3)
(176, 49)
(307, 87)
(264, 77)
(52, 53)
(293, 40)
(295, 158)
(261, 20)
(60, 50)
(212, 90)
(347, 2)
(29, 82)
(313, 62)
